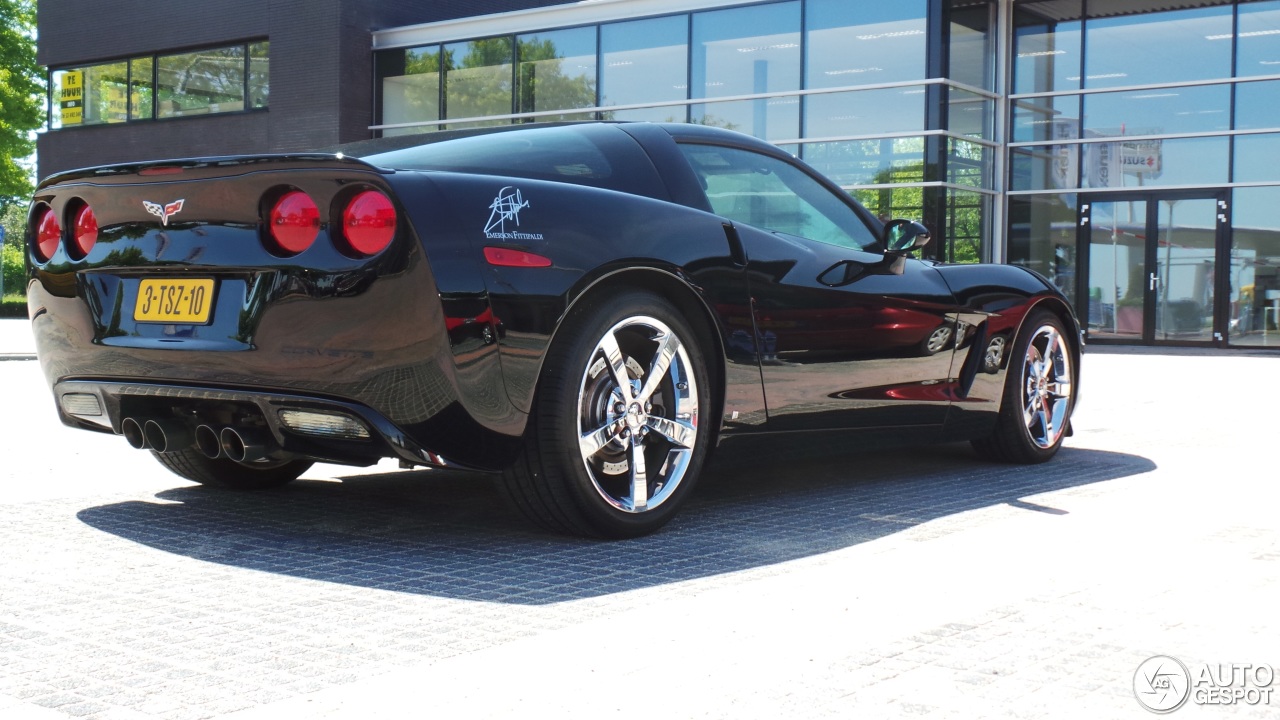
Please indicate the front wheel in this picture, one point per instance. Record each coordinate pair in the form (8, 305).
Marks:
(1038, 396)
(615, 441)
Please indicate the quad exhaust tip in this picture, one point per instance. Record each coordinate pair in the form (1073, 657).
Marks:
(134, 433)
(208, 442)
(166, 436)
(151, 434)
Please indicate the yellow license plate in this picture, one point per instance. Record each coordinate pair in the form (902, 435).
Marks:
(174, 301)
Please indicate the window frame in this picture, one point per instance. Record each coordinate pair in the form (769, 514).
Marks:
(131, 117)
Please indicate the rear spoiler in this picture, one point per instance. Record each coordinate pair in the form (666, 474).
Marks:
(197, 168)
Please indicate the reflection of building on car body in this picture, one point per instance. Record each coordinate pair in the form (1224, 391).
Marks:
(586, 309)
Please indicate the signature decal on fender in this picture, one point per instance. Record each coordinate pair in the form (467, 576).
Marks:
(164, 212)
(507, 206)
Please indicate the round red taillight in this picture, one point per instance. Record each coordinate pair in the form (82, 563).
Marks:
(294, 222)
(369, 223)
(85, 232)
(48, 235)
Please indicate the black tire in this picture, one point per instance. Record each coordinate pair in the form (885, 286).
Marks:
(229, 475)
(579, 472)
(1039, 397)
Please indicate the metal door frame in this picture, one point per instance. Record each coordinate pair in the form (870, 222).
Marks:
(1152, 197)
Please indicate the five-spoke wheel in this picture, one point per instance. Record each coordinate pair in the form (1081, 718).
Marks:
(1046, 386)
(615, 443)
(1036, 411)
(638, 414)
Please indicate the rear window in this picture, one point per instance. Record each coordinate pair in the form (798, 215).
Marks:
(557, 154)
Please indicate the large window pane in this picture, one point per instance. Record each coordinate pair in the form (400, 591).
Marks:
(864, 112)
(1042, 237)
(1255, 268)
(141, 88)
(1256, 158)
(869, 162)
(1163, 47)
(1204, 108)
(1047, 118)
(1048, 167)
(478, 78)
(1134, 164)
(745, 51)
(645, 61)
(91, 95)
(967, 214)
(410, 87)
(969, 163)
(970, 114)
(1046, 46)
(557, 70)
(853, 42)
(1258, 105)
(891, 203)
(1258, 47)
(206, 81)
(971, 54)
(106, 95)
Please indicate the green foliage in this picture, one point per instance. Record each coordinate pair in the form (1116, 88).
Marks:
(13, 306)
(14, 220)
(478, 77)
(14, 271)
(21, 93)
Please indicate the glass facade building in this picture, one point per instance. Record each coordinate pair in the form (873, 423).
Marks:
(895, 101)
(1121, 148)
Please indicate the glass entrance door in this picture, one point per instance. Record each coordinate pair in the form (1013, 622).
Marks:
(1116, 234)
(1152, 261)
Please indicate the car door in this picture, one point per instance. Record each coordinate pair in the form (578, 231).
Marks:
(848, 336)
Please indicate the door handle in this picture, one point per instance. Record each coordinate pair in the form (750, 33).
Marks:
(1153, 282)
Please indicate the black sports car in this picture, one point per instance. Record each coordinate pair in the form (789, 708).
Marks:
(587, 309)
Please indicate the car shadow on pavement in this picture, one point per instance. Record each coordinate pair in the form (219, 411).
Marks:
(450, 534)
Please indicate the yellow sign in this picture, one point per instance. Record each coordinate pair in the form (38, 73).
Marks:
(72, 97)
(117, 102)
(187, 301)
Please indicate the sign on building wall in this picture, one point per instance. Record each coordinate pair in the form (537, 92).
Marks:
(71, 99)
(1108, 162)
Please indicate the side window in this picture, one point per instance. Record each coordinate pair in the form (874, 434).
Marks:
(772, 194)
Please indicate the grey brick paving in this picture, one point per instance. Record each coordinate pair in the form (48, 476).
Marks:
(893, 584)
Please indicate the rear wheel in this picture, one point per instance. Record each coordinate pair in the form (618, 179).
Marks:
(194, 465)
(615, 441)
(1038, 396)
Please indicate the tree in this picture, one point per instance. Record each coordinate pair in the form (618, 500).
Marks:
(21, 97)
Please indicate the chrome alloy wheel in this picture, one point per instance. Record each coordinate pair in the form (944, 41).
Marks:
(637, 414)
(1046, 398)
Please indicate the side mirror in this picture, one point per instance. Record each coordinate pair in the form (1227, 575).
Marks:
(903, 236)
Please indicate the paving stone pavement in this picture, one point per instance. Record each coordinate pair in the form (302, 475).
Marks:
(917, 583)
